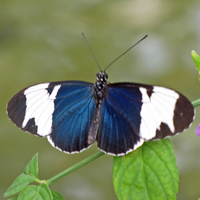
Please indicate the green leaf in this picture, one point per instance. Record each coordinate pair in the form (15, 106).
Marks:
(57, 195)
(33, 192)
(196, 60)
(29, 175)
(32, 167)
(149, 173)
(20, 183)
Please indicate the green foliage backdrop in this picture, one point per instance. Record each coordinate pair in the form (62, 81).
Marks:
(40, 41)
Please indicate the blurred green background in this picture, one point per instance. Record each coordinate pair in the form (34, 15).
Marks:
(41, 41)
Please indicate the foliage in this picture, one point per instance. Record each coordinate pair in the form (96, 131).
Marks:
(21, 184)
(196, 60)
(148, 173)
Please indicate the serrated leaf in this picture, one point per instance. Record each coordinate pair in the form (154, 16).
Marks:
(57, 195)
(149, 173)
(33, 192)
(20, 183)
(32, 167)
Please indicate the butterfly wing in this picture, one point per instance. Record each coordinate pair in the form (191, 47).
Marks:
(134, 113)
(60, 111)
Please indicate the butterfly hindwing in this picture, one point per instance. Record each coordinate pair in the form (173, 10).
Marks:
(134, 113)
(74, 110)
(62, 111)
(116, 136)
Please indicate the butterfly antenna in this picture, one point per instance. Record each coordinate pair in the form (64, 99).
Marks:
(91, 51)
(125, 52)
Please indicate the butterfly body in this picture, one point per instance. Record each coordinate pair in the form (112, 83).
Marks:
(100, 88)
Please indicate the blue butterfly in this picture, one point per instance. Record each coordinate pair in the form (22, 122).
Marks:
(119, 116)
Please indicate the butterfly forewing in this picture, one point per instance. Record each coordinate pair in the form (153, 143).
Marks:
(134, 113)
(63, 111)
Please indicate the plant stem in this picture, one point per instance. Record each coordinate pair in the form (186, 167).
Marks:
(196, 103)
(74, 167)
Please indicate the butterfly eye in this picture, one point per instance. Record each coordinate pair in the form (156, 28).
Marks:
(98, 76)
(106, 76)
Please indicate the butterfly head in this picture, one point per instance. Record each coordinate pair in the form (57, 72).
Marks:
(102, 77)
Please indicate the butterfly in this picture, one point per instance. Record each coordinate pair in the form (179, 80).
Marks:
(119, 116)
